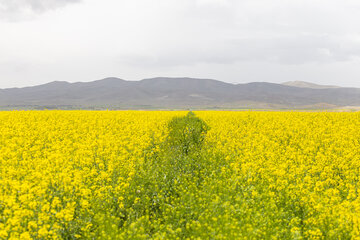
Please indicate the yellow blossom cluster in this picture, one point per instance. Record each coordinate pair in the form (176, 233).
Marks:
(59, 169)
(296, 174)
(116, 175)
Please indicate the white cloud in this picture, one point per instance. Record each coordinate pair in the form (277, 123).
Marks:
(17, 10)
(204, 38)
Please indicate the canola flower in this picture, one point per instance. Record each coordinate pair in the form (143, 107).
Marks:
(168, 175)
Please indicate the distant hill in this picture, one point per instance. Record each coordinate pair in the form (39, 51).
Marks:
(173, 93)
(302, 84)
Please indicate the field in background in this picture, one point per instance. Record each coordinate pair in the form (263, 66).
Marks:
(169, 175)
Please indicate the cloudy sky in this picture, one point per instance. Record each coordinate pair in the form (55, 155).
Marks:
(230, 40)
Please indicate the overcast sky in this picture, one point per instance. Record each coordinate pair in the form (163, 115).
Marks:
(230, 40)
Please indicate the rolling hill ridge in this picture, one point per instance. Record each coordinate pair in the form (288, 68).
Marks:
(174, 93)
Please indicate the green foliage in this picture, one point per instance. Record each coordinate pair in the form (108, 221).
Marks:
(187, 133)
(169, 167)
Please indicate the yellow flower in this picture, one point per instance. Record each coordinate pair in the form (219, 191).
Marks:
(3, 234)
(25, 236)
(43, 232)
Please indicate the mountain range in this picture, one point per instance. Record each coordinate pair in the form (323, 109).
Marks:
(177, 93)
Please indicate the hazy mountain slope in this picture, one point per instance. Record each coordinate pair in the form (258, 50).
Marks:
(302, 84)
(172, 93)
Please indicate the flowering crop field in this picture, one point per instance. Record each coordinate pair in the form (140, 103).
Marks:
(179, 175)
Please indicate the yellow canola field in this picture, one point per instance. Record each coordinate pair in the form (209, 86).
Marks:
(289, 175)
(302, 170)
(52, 162)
